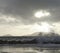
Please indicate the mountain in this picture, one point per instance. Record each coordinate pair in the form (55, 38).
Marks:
(44, 34)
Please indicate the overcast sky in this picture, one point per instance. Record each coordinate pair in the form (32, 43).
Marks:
(17, 16)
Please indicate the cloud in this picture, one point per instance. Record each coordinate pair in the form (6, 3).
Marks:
(22, 12)
(17, 30)
(26, 9)
(56, 27)
(4, 19)
(22, 30)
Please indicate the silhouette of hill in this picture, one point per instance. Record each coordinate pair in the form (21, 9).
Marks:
(32, 35)
(44, 34)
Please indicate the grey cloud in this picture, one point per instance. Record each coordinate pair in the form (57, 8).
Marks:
(25, 8)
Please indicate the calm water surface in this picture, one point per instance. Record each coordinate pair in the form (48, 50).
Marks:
(10, 49)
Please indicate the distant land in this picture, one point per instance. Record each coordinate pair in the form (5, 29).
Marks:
(35, 34)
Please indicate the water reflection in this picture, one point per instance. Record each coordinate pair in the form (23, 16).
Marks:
(8, 49)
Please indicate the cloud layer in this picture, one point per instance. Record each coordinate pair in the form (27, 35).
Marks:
(21, 12)
(26, 9)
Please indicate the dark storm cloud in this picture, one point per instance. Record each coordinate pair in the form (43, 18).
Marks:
(26, 8)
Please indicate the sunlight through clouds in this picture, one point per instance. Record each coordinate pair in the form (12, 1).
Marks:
(20, 17)
(41, 13)
(42, 27)
(21, 30)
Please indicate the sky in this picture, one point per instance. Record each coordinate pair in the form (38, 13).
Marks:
(17, 17)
